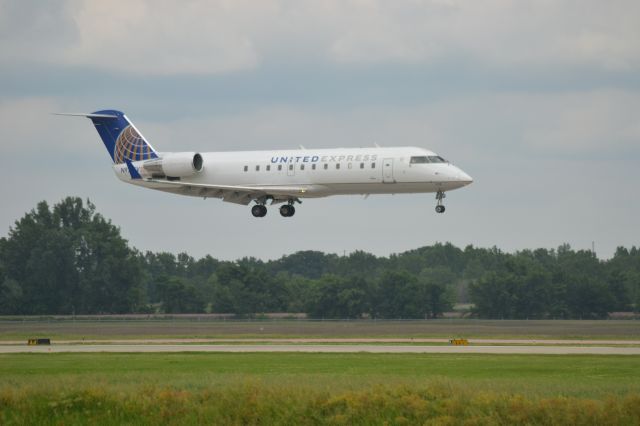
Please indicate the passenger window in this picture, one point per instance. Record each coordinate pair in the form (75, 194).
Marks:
(373, 165)
(290, 166)
(257, 168)
(337, 166)
(326, 166)
(268, 167)
(301, 166)
(349, 165)
(362, 165)
(246, 168)
(279, 167)
(313, 167)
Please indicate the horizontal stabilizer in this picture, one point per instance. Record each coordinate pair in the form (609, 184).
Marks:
(80, 114)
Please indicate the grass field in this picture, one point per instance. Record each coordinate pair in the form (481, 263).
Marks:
(296, 388)
(190, 388)
(70, 330)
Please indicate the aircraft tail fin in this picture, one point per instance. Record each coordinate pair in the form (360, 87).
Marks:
(121, 138)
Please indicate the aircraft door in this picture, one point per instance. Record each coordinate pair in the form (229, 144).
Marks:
(387, 170)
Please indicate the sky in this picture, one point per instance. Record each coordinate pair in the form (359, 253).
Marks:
(538, 100)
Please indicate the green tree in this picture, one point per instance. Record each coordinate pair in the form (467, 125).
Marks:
(522, 290)
(297, 289)
(338, 297)
(397, 296)
(245, 287)
(436, 291)
(308, 264)
(71, 260)
(10, 296)
(588, 298)
(178, 296)
(492, 295)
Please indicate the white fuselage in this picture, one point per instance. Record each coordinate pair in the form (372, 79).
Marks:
(282, 176)
(319, 172)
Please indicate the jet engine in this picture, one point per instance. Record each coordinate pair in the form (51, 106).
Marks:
(176, 165)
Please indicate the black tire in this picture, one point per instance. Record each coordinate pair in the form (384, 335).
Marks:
(287, 210)
(259, 210)
(440, 209)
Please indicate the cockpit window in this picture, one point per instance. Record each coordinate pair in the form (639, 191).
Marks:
(427, 159)
(419, 160)
(436, 159)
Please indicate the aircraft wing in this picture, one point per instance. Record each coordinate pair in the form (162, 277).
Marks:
(234, 193)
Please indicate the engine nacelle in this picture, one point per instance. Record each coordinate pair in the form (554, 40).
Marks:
(179, 164)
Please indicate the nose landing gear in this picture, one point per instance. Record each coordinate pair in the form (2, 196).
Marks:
(439, 206)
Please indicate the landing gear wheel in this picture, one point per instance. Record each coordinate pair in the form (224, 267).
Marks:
(440, 209)
(259, 210)
(287, 210)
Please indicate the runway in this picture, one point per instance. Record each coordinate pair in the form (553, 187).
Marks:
(325, 348)
(333, 340)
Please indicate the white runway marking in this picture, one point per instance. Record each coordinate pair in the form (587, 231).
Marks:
(415, 349)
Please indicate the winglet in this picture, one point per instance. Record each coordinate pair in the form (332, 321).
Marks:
(132, 170)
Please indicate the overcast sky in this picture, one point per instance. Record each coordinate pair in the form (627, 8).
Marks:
(538, 100)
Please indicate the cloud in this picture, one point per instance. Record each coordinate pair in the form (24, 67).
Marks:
(25, 124)
(565, 124)
(589, 124)
(164, 37)
(35, 33)
(595, 124)
(537, 100)
(498, 33)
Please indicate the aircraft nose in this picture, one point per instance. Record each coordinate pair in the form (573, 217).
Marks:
(465, 178)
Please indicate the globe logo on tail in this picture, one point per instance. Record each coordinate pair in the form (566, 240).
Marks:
(131, 147)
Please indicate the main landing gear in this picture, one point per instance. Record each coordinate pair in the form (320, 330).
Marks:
(286, 210)
(259, 210)
(439, 206)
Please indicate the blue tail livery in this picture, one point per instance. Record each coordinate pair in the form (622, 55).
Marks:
(132, 171)
(121, 138)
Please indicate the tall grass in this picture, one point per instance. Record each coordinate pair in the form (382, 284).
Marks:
(317, 389)
(437, 403)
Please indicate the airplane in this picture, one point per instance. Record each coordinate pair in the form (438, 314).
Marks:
(274, 177)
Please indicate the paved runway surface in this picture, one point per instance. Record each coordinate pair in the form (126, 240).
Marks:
(324, 340)
(345, 348)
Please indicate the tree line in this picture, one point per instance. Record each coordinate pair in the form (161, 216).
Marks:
(69, 259)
